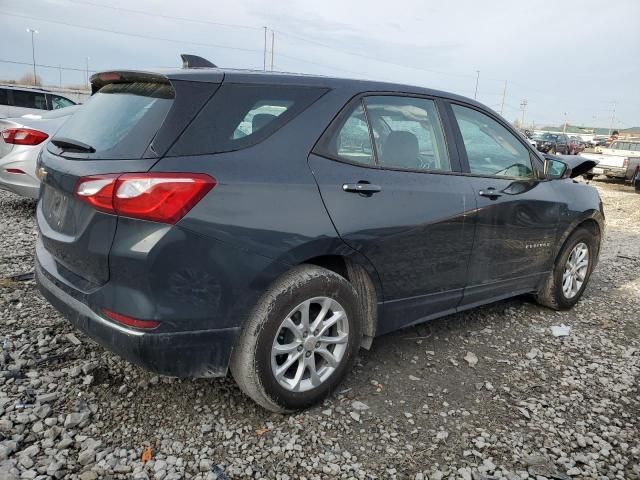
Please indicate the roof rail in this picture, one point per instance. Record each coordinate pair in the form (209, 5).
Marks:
(194, 61)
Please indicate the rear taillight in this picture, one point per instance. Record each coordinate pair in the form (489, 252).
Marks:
(129, 321)
(23, 136)
(158, 197)
(15, 170)
(625, 163)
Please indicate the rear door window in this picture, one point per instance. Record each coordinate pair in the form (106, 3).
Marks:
(407, 133)
(4, 98)
(241, 115)
(27, 99)
(120, 120)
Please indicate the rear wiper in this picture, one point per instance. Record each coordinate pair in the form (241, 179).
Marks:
(73, 145)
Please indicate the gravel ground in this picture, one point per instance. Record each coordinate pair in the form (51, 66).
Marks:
(486, 394)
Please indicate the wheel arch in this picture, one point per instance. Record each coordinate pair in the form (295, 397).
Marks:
(593, 222)
(364, 280)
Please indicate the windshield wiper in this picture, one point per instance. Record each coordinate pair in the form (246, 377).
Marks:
(72, 145)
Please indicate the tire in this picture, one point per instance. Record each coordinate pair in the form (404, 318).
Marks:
(253, 361)
(552, 293)
(589, 176)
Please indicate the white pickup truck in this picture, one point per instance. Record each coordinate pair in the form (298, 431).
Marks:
(621, 160)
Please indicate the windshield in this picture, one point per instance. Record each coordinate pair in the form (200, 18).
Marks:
(120, 120)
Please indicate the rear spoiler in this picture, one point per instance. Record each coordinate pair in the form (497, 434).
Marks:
(99, 80)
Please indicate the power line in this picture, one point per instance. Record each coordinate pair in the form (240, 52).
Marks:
(136, 35)
(57, 67)
(167, 17)
(298, 37)
(175, 41)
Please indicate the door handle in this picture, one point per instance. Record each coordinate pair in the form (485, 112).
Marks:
(490, 192)
(361, 187)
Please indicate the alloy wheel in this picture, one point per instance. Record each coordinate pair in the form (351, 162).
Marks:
(309, 344)
(575, 270)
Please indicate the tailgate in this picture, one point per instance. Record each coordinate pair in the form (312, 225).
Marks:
(109, 135)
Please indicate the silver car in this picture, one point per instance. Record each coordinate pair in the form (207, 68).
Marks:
(16, 101)
(21, 140)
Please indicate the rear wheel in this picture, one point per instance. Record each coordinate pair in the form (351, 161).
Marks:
(571, 272)
(300, 341)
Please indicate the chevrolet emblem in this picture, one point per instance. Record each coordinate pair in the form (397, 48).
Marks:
(41, 173)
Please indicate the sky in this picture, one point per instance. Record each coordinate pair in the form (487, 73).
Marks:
(570, 60)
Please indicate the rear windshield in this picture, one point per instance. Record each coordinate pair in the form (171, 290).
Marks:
(239, 116)
(120, 120)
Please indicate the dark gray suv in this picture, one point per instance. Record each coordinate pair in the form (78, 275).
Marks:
(200, 220)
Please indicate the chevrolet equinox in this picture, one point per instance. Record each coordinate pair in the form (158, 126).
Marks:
(201, 220)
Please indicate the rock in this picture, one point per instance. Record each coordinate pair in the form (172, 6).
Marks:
(75, 419)
(73, 339)
(533, 353)
(471, 359)
(53, 468)
(86, 457)
(359, 406)
(47, 397)
(204, 465)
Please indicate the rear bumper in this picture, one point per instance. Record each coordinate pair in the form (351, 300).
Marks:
(618, 172)
(201, 353)
(23, 184)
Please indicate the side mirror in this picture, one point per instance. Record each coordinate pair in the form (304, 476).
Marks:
(555, 169)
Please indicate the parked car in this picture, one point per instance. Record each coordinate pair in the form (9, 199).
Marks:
(576, 145)
(527, 138)
(636, 179)
(18, 101)
(618, 161)
(272, 224)
(21, 140)
(554, 143)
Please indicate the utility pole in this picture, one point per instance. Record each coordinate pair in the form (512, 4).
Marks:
(264, 55)
(60, 73)
(504, 94)
(88, 84)
(475, 95)
(523, 106)
(564, 128)
(613, 117)
(33, 54)
(273, 41)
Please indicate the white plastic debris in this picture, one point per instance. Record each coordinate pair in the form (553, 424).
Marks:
(561, 330)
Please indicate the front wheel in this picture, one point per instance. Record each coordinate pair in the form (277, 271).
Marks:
(567, 281)
(300, 340)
